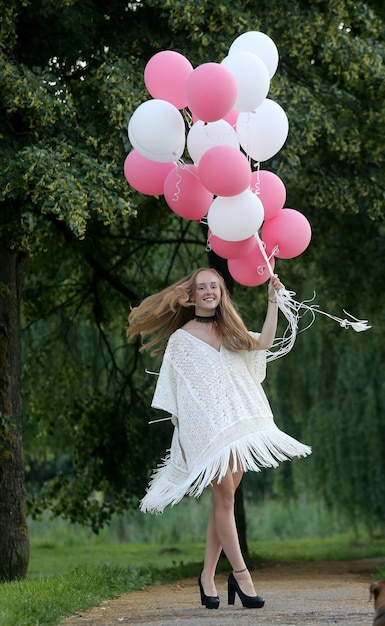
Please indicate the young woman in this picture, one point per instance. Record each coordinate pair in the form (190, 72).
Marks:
(210, 384)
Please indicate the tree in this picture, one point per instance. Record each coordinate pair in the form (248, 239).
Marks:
(13, 528)
(55, 169)
(71, 76)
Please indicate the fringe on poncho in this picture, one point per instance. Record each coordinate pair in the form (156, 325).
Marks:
(221, 415)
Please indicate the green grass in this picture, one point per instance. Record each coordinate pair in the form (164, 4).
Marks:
(337, 548)
(45, 600)
(50, 559)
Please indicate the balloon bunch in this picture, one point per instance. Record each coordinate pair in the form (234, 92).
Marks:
(231, 128)
(220, 116)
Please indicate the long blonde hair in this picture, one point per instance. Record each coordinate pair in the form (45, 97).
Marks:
(161, 314)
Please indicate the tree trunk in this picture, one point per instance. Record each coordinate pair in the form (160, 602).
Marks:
(14, 540)
(240, 519)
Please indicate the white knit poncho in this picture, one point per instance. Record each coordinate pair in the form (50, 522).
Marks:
(221, 415)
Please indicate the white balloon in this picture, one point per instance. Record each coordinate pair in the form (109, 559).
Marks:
(259, 44)
(157, 131)
(252, 78)
(235, 218)
(263, 132)
(203, 136)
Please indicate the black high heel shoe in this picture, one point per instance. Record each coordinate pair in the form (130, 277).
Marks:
(249, 602)
(210, 602)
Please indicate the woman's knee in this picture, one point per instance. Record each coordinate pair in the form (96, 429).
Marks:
(224, 500)
(223, 494)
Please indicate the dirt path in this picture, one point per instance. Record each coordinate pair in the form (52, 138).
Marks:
(295, 594)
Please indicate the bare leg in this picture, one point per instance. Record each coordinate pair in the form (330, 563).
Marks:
(212, 553)
(222, 533)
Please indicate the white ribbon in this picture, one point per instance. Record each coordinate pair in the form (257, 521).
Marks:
(293, 311)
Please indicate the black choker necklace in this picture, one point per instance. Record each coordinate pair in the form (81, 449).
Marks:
(204, 320)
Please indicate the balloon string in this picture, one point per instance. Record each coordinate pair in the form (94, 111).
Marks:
(188, 117)
(177, 192)
(274, 252)
(184, 166)
(293, 311)
(187, 166)
(257, 185)
(262, 248)
(162, 419)
(208, 244)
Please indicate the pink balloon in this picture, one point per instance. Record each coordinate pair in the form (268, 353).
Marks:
(165, 77)
(230, 249)
(144, 175)
(211, 91)
(270, 190)
(224, 170)
(231, 118)
(287, 234)
(185, 194)
(251, 270)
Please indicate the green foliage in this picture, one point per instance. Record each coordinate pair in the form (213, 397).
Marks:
(95, 424)
(58, 158)
(341, 418)
(71, 76)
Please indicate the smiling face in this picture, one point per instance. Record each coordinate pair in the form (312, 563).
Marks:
(207, 293)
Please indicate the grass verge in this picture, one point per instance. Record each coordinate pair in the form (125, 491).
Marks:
(45, 600)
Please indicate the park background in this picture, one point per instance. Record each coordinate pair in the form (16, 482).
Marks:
(79, 248)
